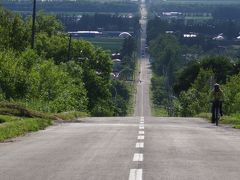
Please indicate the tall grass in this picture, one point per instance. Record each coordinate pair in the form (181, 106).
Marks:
(14, 126)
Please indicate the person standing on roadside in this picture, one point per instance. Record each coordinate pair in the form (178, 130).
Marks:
(216, 97)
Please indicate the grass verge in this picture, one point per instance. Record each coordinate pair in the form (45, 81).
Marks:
(131, 103)
(133, 87)
(68, 116)
(233, 119)
(15, 120)
(159, 111)
(16, 126)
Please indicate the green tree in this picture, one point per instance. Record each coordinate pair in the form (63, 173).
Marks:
(196, 98)
(222, 68)
(232, 95)
(48, 24)
(14, 32)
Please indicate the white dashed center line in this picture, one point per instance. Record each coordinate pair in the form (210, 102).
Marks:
(135, 174)
(140, 145)
(138, 157)
(140, 137)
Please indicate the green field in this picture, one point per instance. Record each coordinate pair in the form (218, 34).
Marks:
(198, 18)
(113, 44)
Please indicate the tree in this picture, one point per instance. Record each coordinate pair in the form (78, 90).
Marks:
(186, 77)
(196, 98)
(232, 95)
(47, 24)
(14, 32)
(165, 51)
(221, 67)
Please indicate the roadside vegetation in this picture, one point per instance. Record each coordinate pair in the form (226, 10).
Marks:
(15, 126)
(55, 82)
(52, 78)
(187, 59)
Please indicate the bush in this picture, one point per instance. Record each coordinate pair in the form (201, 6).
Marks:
(232, 95)
(40, 83)
(102, 108)
(196, 99)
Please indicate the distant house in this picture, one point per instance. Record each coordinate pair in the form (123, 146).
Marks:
(116, 56)
(86, 33)
(116, 62)
(220, 37)
(190, 35)
(171, 13)
(124, 35)
(169, 32)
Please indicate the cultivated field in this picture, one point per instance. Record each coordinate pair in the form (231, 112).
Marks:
(107, 43)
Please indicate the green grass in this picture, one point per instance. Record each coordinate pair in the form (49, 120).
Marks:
(15, 126)
(198, 18)
(19, 110)
(130, 106)
(159, 111)
(204, 115)
(133, 88)
(16, 120)
(107, 43)
(233, 119)
(68, 116)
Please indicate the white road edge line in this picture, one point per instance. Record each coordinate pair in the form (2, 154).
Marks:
(135, 174)
(140, 145)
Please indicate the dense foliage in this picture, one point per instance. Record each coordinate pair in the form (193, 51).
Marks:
(53, 77)
(185, 69)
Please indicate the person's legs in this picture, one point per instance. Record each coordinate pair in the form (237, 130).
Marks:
(213, 107)
(220, 107)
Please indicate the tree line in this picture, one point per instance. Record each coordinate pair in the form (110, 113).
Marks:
(72, 6)
(97, 21)
(218, 11)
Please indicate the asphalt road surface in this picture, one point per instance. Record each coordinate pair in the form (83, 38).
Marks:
(126, 148)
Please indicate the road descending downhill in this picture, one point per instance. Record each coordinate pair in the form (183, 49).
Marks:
(126, 148)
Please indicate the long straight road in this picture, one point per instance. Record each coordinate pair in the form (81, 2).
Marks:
(126, 148)
(142, 106)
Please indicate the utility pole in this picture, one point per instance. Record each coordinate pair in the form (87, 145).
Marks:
(69, 46)
(33, 24)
